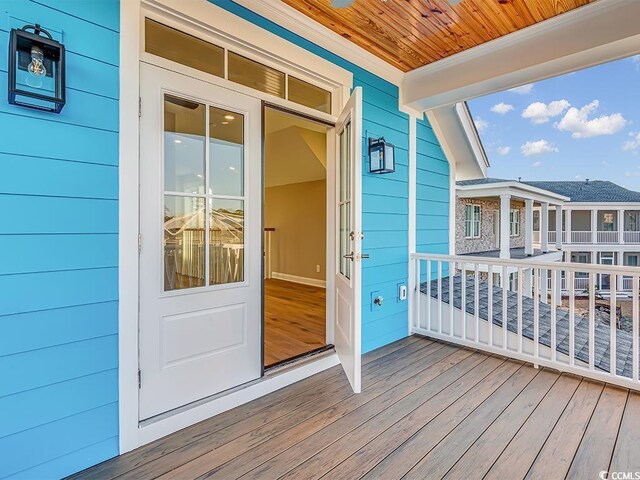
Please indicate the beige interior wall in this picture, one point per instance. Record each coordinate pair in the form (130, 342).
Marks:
(298, 213)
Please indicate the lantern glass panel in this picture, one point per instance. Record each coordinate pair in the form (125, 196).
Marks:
(376, 153)
(389, 160)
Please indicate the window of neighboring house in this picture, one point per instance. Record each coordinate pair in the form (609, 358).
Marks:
(514, 222)
(472, 221)
(607, 222)
(632, 260)
(633, 221)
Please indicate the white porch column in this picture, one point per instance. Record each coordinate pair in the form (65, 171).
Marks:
(556, 295)
(528, 228)
(544, 227)
(505, 234)
(544, 286)
(567, 226)
(619, 260)
(528, 282)
(558, 227)
(621, 225)
(594, 226)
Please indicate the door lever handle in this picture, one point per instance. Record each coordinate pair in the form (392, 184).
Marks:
(348, 255)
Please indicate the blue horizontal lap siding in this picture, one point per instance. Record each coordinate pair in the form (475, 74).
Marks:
(385, 203)
(432, 196)
(59, 274)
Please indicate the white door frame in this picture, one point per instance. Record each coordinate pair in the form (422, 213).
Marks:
(205, 20)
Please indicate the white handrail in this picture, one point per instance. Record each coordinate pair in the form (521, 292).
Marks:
(517, 319)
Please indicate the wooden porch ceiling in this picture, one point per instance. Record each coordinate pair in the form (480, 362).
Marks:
(427, 410)
(412, 33)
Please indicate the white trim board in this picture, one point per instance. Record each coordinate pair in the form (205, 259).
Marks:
(314, 282)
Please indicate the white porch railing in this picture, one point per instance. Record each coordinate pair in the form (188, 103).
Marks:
(632, 237)
(574, 338)
(608, 237)
(581, 237)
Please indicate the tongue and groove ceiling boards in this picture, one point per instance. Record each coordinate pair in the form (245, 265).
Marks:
(412, 33)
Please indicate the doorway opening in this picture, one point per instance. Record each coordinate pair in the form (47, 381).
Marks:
(295, 236)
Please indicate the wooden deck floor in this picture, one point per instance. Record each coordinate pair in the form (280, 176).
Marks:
(427, 410)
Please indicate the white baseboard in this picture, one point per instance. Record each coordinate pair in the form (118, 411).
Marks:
(296, 279)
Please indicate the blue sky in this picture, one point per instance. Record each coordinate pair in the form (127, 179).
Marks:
(581, 125)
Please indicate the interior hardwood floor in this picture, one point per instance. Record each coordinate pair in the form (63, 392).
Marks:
(295, 319)
(427, 410)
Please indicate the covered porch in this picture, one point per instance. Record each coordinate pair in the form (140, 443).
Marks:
(427, 410)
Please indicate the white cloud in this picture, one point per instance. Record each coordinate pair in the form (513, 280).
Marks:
(578, 177)
(633, 142)
(537, 148)
(536, 164)
(523, 89)
(539, 112)
(636, 61)
(501, 108)
(632, 174)
(481, 125)
(605, 163)
(578, 123)
(503, 150)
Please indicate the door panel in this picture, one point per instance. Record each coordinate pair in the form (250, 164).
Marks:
(200, 211)
(347, 328)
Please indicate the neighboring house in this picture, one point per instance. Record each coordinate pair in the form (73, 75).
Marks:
(599, 225)
(494, 219)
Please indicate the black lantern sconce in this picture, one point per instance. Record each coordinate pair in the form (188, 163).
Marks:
(36, 69)
(381, 156)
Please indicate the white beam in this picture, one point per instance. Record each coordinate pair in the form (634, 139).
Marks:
(594, 226)
(590, 35)
(567, 225)
(505, 237)
(620, 225)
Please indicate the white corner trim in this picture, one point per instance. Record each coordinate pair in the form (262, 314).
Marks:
(298, 23)
(268, 384)
(314, 282)
(128, 208)
(413, 158)
(462, 109)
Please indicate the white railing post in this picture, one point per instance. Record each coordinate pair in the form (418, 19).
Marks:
(613, 323)
(572, 318)
(490, 305)
(634, 329)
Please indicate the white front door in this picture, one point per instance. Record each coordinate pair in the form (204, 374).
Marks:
(200, 259)
(347, 328)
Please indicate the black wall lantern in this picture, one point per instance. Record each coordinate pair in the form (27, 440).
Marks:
(36, 69)
(381, 156)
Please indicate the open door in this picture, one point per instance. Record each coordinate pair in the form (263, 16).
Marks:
(347, 328)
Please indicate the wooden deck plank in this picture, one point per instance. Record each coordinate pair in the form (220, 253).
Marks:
(625, 455)
(427, 410)
(558, 451)
(221, 447)
(480, 456)
(496, 415)
(427, 384)
(292, 396)
(391, 441)
(516, 459)
(596, 448)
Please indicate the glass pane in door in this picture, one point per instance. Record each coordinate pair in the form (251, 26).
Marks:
(184, 242)
(344, 204)
(226, 241)
(226, 152)
(184, 145)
